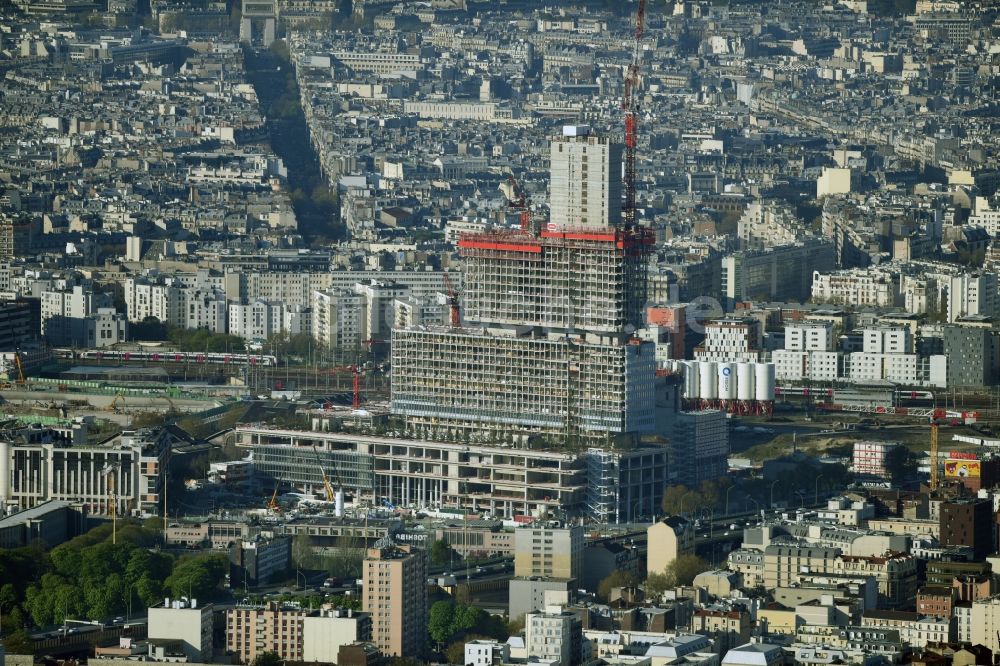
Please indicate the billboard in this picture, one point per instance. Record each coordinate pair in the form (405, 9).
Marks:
(959, 469)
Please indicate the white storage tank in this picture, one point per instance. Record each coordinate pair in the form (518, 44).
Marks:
(708, 380)
(764, 382)
(338, 504)
(691, 380)
(727, 381)
(744, 381)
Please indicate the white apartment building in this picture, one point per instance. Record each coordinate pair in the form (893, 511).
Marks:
(255, 321)
(856, 287)
(985, 622)
(324, 634)
(204, 309)
(337, 318)
(145, 299)
(973, 294)
(380, 63)
(986, 216)
(808, 353)
(550, 635)
(78, 302)
(185, 621)
(809, 336)
(420, 311)
(887, 340)
(486, 652)
(586, 184)
(824, 366)
(905, 369)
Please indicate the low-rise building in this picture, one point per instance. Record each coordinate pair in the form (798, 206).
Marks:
(185, 621)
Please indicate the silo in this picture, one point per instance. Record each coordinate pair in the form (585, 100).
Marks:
(338, 504)
(691, 383)
(708, 380)
(744, 381)
(727, 381)
(764, 382)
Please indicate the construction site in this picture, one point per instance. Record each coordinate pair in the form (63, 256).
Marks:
(548, 348)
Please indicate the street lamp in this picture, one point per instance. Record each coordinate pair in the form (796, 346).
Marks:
(297, 574)
(816, 499)
(728, 490)
(128, 600)
(755, 503)
(684, 497)
(773, 484)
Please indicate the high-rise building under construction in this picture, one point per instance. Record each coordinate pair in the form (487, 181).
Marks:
(547, 344)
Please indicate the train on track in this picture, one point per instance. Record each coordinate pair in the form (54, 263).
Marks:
(166, 356)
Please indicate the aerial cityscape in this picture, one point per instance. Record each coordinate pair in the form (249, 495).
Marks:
(488, 332)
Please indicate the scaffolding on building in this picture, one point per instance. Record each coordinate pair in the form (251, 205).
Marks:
(602, 485)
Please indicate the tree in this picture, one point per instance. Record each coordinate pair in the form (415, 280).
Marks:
(616, 579)
(440, 552)
(656, 584)
(682, 570)
(439, 622)
(303, 554)
(267, 659)
(197, 576)
(19, 642)
(674, 498)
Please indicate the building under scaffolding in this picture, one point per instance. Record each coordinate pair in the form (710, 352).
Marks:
(625, 486)
(469, 379)
(591, 280)
(552, 352)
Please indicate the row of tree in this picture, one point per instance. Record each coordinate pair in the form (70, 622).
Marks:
(90, 577)
(678, 572)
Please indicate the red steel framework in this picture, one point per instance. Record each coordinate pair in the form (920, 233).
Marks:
(630, 104)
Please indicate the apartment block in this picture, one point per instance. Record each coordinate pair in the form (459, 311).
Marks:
(395, 595)
(294, 634)
(554, 552)
(554, 636)
(586, 179)
(779, 273)
(470, 380)
(185, 621)
(44, 466)
(856, 287)
(254, 630)
(699, 447)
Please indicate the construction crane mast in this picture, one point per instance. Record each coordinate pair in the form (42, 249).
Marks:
(630, 104)
(331, 496)
(456, 314)
(935, 472)
(519, 201)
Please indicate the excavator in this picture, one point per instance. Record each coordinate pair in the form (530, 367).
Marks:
(113, 407)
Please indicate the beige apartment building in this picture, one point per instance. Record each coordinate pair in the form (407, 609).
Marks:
(395, 595)
(550, 552)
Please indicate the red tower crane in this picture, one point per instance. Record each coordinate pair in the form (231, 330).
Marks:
(519, 201)
(456, 315)
(630, 104)
(356, 372)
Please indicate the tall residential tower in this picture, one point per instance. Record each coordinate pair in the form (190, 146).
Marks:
(546, 352)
